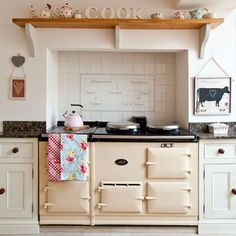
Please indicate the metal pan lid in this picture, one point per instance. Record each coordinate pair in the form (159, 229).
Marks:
(164, 127)
(123, 125)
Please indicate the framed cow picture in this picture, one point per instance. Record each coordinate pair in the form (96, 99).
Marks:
(213, 96)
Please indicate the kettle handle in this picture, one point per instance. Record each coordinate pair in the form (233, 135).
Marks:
(76, 105)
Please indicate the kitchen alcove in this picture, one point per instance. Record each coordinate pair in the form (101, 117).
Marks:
(118, 85)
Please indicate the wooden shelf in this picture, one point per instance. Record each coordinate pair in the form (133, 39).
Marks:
(203, 25)
(122, 23)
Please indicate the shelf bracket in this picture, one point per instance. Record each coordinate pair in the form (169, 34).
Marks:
(31, 35)
(117, 37)
(204, 36)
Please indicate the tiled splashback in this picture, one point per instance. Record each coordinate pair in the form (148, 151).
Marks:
(117, 85)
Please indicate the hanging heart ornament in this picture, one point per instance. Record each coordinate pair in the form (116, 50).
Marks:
(18, 60)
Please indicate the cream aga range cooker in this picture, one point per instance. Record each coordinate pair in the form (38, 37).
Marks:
(136, 177)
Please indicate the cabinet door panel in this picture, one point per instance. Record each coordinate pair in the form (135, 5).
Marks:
(219, 201)
(168, 163)
(168, 198)
(16, 202)
(68, 196)
(121, 197)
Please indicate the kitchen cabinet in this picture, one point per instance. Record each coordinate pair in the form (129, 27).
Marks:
(16, 191)
(65, 202)
(145, 183)
(217, 186)
(18, 186)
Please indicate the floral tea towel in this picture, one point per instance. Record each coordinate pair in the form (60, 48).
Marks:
(74, 157)
(54, 162)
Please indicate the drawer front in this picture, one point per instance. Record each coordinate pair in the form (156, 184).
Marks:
(160, 163)
(217, 150)
(168, 198)
(121, 197)
(16, 150)
(67, 197)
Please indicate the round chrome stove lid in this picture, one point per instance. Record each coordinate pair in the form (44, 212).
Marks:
(124, 125)
(163, 127)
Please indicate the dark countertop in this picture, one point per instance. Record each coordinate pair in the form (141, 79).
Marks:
(230, 135)
(20, 134)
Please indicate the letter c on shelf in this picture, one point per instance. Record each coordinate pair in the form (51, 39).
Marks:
(88, 11)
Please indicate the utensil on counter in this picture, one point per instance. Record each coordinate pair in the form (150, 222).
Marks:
(73, 120)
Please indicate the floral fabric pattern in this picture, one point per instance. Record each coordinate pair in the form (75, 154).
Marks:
(74, 157)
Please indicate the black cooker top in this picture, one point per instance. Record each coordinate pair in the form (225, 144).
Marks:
(98, 132)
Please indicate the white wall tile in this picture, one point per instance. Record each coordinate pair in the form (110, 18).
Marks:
(119, 64)
(160, 68)
(170, 69)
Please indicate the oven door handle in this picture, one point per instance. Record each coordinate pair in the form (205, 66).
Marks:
(147, 163)
(187, 205)
(100, 205)
(85, 198)
(48, 204)
(189, 171)
(150, 198)
(46, 188)
(187, 154)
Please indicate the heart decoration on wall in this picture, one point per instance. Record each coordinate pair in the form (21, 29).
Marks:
(18, 60)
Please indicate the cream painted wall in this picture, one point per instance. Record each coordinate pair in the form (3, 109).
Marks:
(13, 41)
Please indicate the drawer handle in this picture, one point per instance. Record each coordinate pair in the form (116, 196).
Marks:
(221, 151)
(15, 149)
(233, 191)
(2, 190)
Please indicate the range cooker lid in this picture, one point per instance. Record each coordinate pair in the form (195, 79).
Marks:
(123, 125)
(166, 127)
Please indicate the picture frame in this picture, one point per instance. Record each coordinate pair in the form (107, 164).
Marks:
(18, 88)
(212, 95)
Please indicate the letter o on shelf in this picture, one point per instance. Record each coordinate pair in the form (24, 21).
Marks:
(104, 13)
(127, 13)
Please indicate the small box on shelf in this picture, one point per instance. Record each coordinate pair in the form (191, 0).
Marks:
(218, 128)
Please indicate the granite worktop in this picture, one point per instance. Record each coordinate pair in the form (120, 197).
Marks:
(230, 135)
(23, 129)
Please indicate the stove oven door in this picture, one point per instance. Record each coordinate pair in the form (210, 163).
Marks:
(117, 197)
(168, 198)
(67, 197)
(168, 163)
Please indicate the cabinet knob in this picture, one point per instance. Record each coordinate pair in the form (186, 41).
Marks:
(233, 191)
(15, 149)
(2, 191)
(221, 151)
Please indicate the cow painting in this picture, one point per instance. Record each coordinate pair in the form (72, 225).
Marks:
(211, 94)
